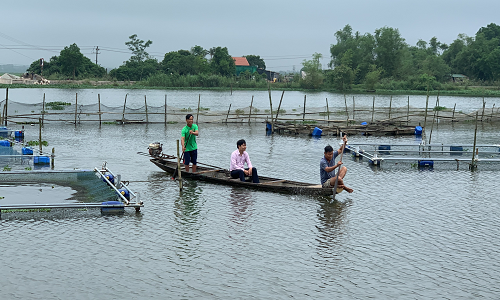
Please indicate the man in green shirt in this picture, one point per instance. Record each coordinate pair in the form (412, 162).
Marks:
(188, 141)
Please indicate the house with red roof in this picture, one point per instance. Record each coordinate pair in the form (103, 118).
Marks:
(242, 65)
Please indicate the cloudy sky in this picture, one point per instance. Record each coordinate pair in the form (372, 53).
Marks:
(284, 33)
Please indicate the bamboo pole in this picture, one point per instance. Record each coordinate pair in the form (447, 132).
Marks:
(346, 112)
(353, 108)
(279, 106)
(40, 135)
(482, 115)
(432, 126)
(327, 110)
(453, 116)
(271, 105)
(99, 101)
(76, 106)
(165, 110)
(198, 111)
(426, 107)
(52, 156)
(408, 112)
(373, 108)
(390, 107)
(304, 114)
(146, 106)
(250, 112)
(6, 106)
(179, 173)
(124, 105)
(473, 165)
(227, 116)
(43, 109)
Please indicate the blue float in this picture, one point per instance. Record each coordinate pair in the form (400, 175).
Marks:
(125, 193)
(426, 163)
(110, 177)
(115, 207)
(317, 131)
(456, 148)
(269, 127)
(364, 123)
(384, 147)
(5, 143)
(41, 160)
(27, 151)
(418, 130)
(4, 132)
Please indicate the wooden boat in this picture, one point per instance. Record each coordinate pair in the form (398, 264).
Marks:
(220, 175)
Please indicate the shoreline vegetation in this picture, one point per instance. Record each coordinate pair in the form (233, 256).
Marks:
(456, 90)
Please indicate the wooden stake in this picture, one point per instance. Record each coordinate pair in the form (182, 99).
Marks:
(40, 135)
(43, 109)
(482, 115)
(353, 108)
(271, 105)
(390, 107)
(453, 116)
(373, 108)
(146, 106)
(198, 111)
(279, 106)
(124, 105)
(304, 114)
(346, 112)
(227, 116)
(165, 110)
(408, 112)
(99, 101)
(250, 112)
(52, 156)
(179, 173)
(327, 111)
(473, 163)
(6, 106)
(76, 106)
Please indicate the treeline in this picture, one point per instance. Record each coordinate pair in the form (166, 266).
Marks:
(382, 60)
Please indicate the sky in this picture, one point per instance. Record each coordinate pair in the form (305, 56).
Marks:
(283, 33)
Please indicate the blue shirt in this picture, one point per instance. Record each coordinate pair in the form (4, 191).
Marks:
(323, 164)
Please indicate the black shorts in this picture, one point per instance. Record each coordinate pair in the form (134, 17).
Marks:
(190, 157)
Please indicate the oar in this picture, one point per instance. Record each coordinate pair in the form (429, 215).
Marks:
(182, 157)
(338, 173)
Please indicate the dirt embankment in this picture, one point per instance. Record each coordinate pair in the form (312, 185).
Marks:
(93, 82)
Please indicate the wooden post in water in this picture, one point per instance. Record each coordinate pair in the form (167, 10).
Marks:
(6, 106)
(271, 105)
(304, 114)
(165, 110)
(250, 112)
(279, 106)
(473, 163)
(146, 107)
(227, 116)
(327, 111)
(76, 106)
(179, 173)
(426, 107)
(198, 111)
(353, 108)
(124, 105)
(453, 116)
(434, 117)
(43, 109)
(492, 109)
(52, 156)
(40, 135)
(408, 112)
(373, 108)
(482, 115)
(346, 112)
(390, 107)
(99, 102)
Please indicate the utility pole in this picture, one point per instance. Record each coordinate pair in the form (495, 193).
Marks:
(96, 53)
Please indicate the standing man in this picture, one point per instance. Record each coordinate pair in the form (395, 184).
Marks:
(327, 168)
(238, 159)
(188, 140)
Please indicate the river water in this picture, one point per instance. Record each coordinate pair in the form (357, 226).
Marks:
(404, 233)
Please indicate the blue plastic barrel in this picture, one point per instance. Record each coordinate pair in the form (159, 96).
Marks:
(269, 127)
(317, 131)
(456, 148)
(125, 193)
(5, 143)
(364, 123)
(110, 177)
(425, 163)
(41, 160)
(418, 130)
(4, 132)
(384, 147)
(27, 151)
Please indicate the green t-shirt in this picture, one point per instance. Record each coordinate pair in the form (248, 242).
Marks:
(190, 139)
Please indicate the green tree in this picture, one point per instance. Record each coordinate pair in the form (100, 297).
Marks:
(70, 59)
(199, 51)
(313, 72)
(222, 63)
(372, 78)
(183, 62)
(389, 46)
(255, 60)
(138, 48)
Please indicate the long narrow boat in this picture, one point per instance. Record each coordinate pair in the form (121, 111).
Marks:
(220, 175)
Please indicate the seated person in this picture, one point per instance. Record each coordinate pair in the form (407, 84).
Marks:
(238, 159)
(328, 166)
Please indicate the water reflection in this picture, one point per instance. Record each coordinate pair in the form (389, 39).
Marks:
(332, 218)
(241, 202)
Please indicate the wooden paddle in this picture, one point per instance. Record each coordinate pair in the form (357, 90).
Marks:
(335, 189)
(182, 157)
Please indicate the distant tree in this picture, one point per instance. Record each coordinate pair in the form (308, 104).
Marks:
(314, 74)
(490, 32)
(183, 62)
(389, 46)
(222, 63)
(211, 51)
(136, 71)
(372, 78)
(199, 51)
(138, 48)
(255, 60)
(70, 59)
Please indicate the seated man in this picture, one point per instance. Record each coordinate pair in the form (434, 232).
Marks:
(238, 159)
(328, 166)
